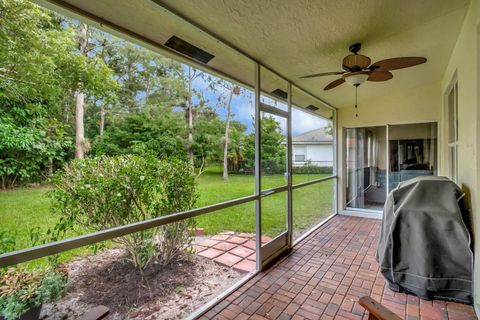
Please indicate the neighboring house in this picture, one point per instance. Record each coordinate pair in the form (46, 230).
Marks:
(314, 147)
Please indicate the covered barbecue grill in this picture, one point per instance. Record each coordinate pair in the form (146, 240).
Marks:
(425, 244)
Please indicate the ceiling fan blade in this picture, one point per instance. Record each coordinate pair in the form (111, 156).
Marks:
(380, 76)
(333, 84)
(322, 74)
(397, 63)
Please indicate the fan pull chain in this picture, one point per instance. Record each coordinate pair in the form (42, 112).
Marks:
(356, 106)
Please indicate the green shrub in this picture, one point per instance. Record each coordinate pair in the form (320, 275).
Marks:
(309, 169)
(22, 290)
(31, 144)
(102, 193)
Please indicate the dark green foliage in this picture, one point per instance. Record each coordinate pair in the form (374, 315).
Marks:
(309, 169)
(31, 143)
(102, 193)
(161, 134)
(273, 149)
(39, 70)
(236, 149)
(208, 135)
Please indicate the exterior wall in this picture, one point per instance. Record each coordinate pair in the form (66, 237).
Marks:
(465, 65)
(318, 154)
(418, 104)
(426, 104)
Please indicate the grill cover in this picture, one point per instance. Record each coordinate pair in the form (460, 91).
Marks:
(425, 244)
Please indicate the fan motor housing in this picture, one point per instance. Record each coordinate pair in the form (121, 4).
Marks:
(356, 62)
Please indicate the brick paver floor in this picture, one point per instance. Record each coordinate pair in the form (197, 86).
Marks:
(323, 278)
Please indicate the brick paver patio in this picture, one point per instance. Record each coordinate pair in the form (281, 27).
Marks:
(231, 250)
(323, 278)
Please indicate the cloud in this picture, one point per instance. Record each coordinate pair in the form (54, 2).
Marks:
(243, 110)
(303, 122)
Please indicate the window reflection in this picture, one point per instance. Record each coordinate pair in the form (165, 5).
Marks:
(413, 151)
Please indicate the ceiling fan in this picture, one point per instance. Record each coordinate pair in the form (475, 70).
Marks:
(357, 68)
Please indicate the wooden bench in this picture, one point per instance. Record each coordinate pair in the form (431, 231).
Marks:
(96, 313)
(376, 310)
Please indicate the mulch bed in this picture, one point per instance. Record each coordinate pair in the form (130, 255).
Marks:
(159, 293)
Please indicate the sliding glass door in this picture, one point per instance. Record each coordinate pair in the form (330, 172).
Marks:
(378, 158)
(366, 167)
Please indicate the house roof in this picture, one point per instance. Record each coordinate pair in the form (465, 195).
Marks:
(314, 136)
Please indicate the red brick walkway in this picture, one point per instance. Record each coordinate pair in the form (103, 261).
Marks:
(324, 277)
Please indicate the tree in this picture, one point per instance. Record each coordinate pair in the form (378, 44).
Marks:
(94, 77)
(226, 92)
(31, 144)
(145, 78)
(82, 30)
(147, 81)
(39, 68)
(236, 153)
(28, 62)
(157, 131)
(273, 149)
(193, 101)
(208, 137)
(32, 141)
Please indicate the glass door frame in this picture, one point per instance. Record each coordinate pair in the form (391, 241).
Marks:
(372, 212)
(361, 211)
(282, 242)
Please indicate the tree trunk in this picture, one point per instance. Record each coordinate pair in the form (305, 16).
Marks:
(147, 92)
(50, 168)
(80, 98)
(227, 129)
(79, 128)
(190, 118)
(190, 135)
(102, 119)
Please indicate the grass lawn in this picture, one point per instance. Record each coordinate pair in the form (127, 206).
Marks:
(26, 208)
(310, 203)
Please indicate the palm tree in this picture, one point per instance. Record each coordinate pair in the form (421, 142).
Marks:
(236, 153)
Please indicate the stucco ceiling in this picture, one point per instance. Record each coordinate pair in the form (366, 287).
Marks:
(301, 37)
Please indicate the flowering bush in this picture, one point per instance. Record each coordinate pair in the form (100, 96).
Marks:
(107, 192)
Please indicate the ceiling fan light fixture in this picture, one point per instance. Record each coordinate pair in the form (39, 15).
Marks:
(356, 78)
(357, 68)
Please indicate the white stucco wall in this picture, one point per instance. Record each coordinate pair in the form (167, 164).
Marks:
(464, 64)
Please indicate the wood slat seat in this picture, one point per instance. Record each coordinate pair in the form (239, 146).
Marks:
(376, 310)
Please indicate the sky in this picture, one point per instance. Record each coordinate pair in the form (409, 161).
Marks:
(243, 110)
